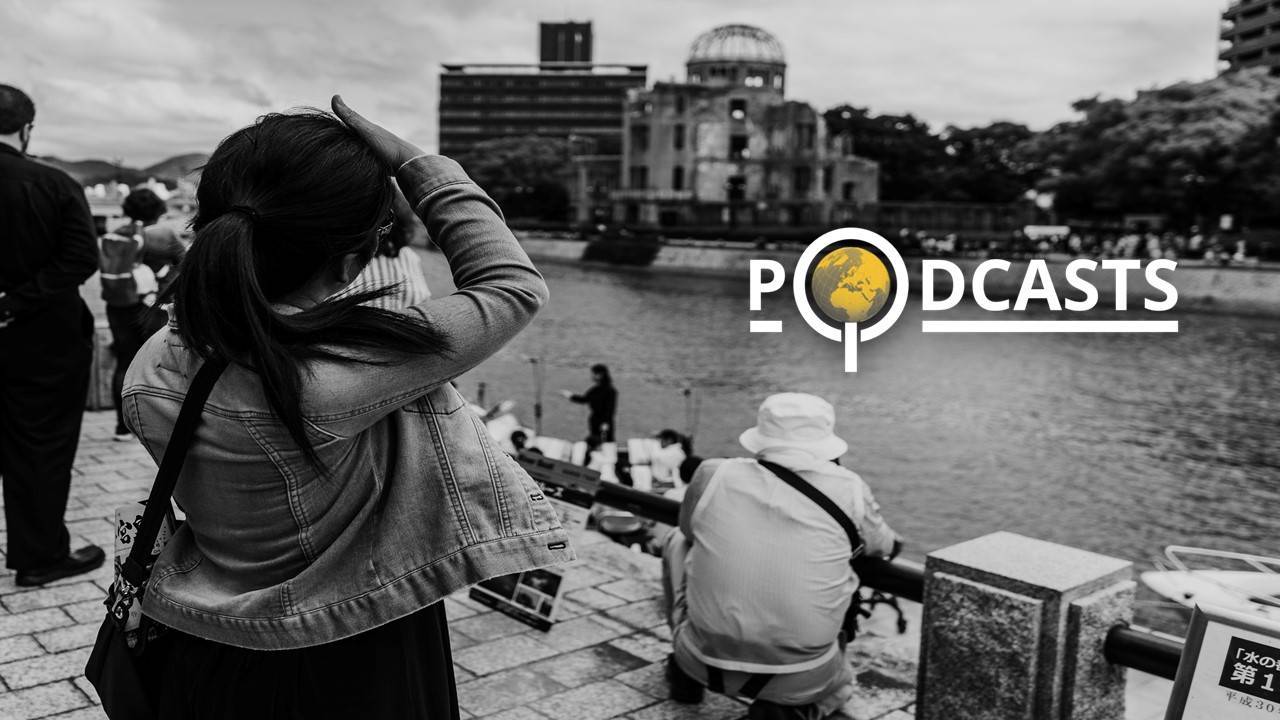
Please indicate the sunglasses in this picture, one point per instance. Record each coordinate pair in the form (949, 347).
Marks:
(384, 230)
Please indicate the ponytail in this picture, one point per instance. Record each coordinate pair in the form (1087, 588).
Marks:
(224, 311)
(278, 203)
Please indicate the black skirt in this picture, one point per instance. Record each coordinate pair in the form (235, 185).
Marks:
(402, 670)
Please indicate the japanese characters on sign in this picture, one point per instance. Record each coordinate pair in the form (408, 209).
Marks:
(1230, 668)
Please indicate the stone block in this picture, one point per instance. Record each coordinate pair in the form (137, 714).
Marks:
(505, 690)
(580, 632)
(1029, 566)
(643, 645)
(595, 599)
(42, 701)
(1013, 627)
(20, 602)
(650, 679)
(43, 669)
(19, 647)
(1094, 689)
(713, 707)
(640, 615)
(503, 653)
(984, 640)
(596, 701)
(38, 620)
(489, 626)
(587, 665)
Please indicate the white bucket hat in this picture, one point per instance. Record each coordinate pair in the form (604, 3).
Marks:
(795, 420)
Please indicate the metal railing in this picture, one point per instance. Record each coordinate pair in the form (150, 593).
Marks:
(1132, 647)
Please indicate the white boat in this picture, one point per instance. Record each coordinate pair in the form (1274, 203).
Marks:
(1193, 576)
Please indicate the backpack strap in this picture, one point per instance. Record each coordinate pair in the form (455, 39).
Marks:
(793, 479)
(138, 566)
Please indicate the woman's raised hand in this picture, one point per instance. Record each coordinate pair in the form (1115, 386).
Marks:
(391, 148)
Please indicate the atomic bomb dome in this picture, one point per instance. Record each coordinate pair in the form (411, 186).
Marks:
(736, 43)
(737, 55)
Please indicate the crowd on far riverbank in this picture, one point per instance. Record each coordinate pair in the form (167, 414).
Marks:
(1213, 248)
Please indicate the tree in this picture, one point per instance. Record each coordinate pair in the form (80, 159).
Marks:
(909, 154)
(1182, 150)
(1259, 165)
(527, 176)
(960, 164)
(983, 164)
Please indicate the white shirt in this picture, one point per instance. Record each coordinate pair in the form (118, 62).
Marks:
(768, 579)
(665, 463)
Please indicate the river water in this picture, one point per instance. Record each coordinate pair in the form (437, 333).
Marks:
(1120, 444)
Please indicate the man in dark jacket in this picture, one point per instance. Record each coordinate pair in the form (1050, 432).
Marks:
(47, 249)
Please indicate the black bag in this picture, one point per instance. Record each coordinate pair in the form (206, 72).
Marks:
(125, 665)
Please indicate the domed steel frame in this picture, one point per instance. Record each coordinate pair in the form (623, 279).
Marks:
(737, 55)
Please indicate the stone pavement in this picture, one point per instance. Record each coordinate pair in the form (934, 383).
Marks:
(604, 659)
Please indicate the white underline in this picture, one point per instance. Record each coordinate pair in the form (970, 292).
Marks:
(1049, 326)
(766, 326)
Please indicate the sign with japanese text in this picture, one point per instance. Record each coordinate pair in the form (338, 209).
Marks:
(1230, 668)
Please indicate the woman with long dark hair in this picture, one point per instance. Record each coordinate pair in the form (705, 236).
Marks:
(338, 487)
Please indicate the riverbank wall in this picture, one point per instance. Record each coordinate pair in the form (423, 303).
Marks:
(1233, 290)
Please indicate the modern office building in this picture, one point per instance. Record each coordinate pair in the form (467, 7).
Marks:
(564, 95)
(726, 147)
(1251, 35)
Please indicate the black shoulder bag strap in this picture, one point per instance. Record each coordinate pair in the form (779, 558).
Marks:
(849, 626)
(136, 569)
(794, 480)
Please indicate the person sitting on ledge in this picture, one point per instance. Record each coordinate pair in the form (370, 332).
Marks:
(757, 577)
(666, 460)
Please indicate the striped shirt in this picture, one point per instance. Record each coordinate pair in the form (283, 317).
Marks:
(404, 270)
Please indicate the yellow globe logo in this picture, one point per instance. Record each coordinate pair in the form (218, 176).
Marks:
(850, 284)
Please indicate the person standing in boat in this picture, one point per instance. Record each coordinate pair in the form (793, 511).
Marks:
(602, 400)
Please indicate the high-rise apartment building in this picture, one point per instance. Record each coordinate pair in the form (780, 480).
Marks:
(1251, 35)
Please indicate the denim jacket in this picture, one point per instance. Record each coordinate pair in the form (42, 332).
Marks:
(417, 503)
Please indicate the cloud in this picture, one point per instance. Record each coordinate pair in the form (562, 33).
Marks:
(145, 79)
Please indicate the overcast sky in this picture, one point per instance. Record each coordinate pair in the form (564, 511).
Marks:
(146, 79)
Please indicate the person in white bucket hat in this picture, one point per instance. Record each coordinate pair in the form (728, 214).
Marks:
(757, 575)
(795, 421)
